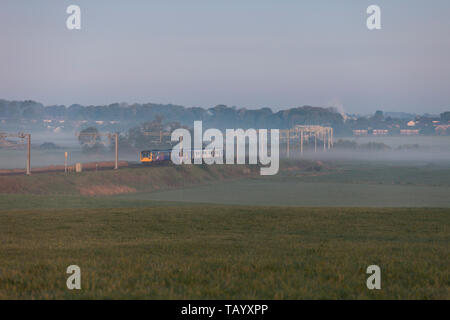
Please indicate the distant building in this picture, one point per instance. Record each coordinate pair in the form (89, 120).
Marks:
(409, 132)
(380, 132)
(360, 132)
(442, 129)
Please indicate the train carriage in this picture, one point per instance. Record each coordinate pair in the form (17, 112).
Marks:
(154, 156)
(160, 156)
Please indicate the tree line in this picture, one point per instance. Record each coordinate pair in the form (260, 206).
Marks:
(220, 116)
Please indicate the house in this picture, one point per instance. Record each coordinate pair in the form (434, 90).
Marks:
(442, 129)
(409, 132)
(360, 132)
(380, 132)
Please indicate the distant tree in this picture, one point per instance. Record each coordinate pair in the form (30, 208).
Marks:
(49, 146)
(445, 117)
(374, 146)
(90, 140)
(29, 113)
(378, 116)
(345, 144)
(147, 136)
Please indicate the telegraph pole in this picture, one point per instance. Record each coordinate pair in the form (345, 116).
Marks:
(109, 135)
(21, 136)
(116, 166)
(182, 148)
(288, 142)
(315, 141)
(332, 137)
(28, 153)
(301, 142)
(65, 161)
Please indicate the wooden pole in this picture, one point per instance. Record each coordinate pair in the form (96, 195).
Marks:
(288, 142)
(332, 137)
(301, 142)
(116, 165)
(315, 141)
(65, 162)
(328, 137)
(181, 147)
(28, 154)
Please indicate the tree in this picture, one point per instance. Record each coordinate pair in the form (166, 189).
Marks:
(90, 140)
(378, 116)
(445, 117)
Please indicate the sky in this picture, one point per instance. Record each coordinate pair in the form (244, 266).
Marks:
(245, 53)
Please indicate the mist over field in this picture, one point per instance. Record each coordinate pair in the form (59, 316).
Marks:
(430, 150)
(410, 150)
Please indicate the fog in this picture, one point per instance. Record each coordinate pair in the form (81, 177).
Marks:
(15, 157)
(411, 149)
(427, 149)
(406, 156)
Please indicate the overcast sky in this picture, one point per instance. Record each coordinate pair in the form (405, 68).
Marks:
(247, 53)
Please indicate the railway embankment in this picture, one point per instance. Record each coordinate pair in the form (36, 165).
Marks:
(100, 178)
(122, 181)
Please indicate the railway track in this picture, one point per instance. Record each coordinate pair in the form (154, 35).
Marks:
(86, 167)
(148, 165)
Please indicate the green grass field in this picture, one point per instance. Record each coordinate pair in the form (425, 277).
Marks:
(344, 184)
(218, 252)
(222, 233)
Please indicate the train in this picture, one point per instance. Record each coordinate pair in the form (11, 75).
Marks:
(163, 156)
(154, 156)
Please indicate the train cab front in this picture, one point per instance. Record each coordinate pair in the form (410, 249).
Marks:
(146, 157)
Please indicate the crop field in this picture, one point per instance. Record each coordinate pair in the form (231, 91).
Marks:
(308, 233)
(292, 192)
(355, 184)
(217, 252)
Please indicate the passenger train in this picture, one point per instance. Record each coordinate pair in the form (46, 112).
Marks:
(162, 156)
